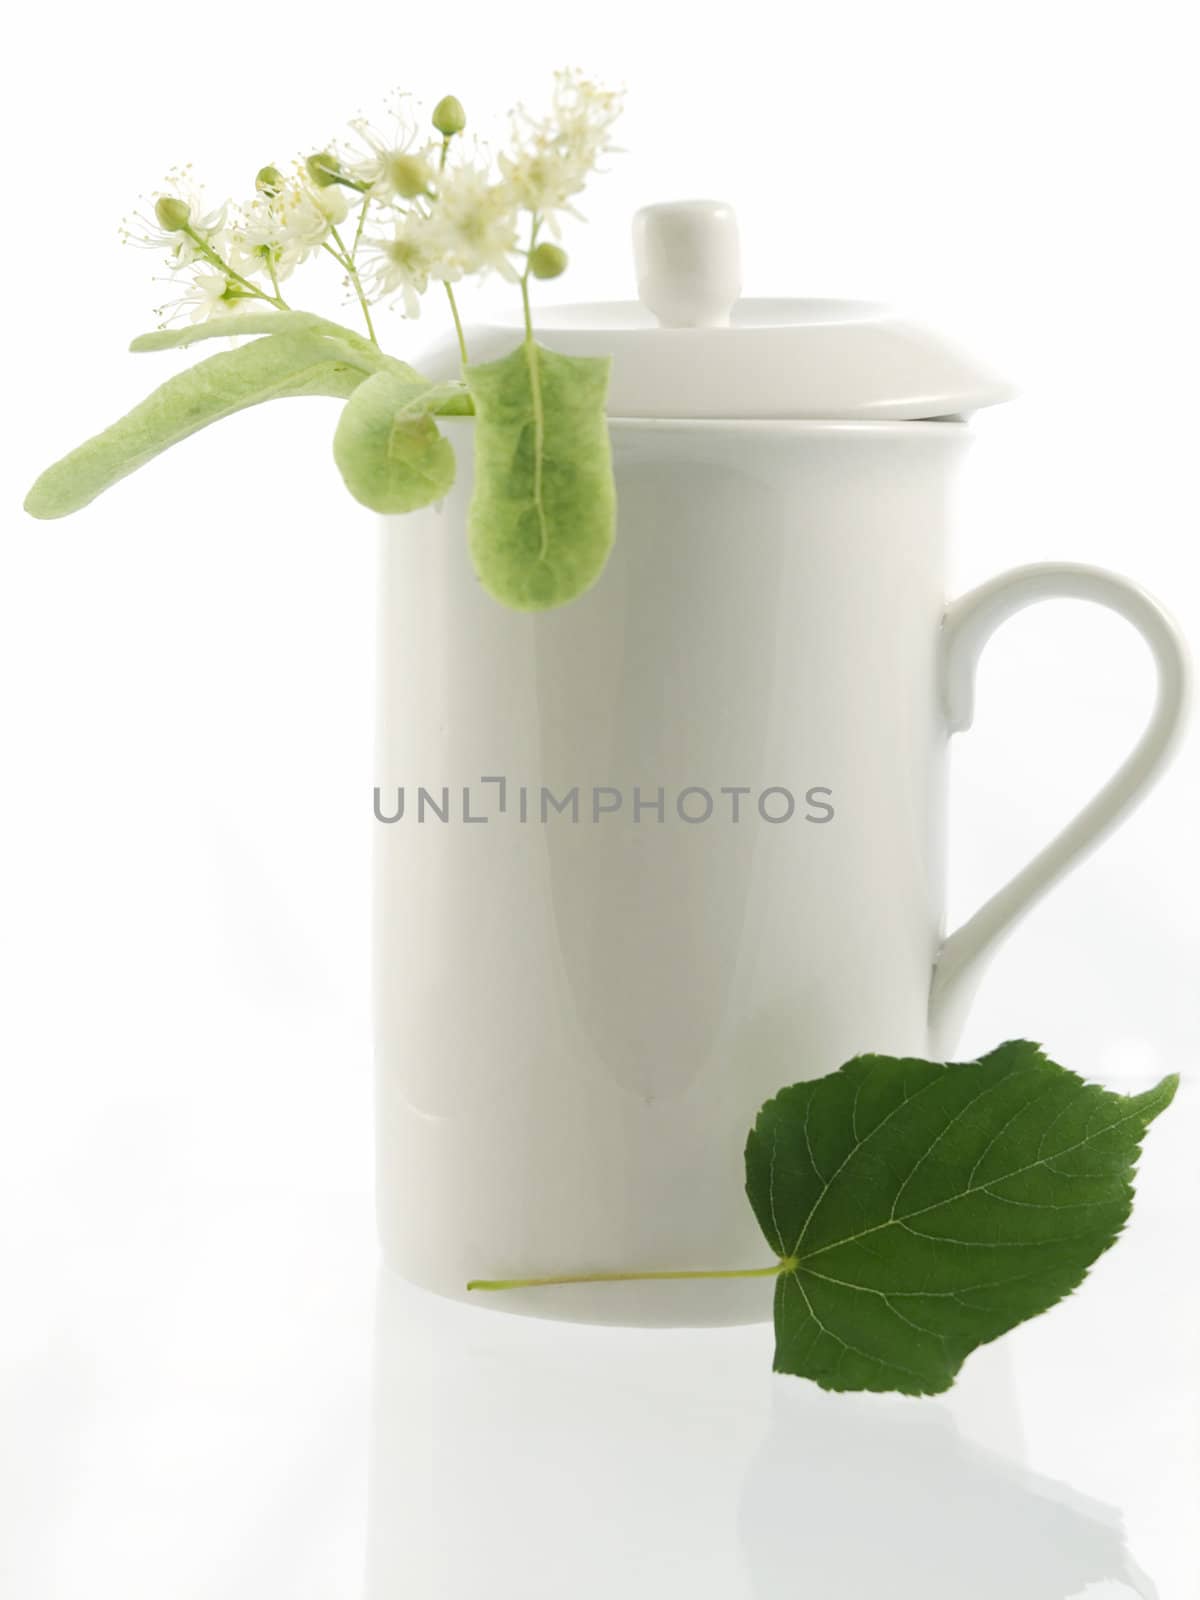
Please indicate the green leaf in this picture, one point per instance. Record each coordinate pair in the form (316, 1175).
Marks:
(920, 1210)
(267, 369)
(387, 445)
(542, 516)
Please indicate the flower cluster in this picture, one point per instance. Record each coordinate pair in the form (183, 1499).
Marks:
(553, 157)
(416, 204)
(288, 221)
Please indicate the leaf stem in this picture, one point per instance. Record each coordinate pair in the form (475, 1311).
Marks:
(784, 1265)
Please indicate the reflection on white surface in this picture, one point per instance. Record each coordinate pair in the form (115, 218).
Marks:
(517, 1458)
(185, 1395)
(857, 1496)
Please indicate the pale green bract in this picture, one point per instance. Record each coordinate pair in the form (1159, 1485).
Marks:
(543, 511)
(240, 325)
(541, 519)
(387, 445)
(281, 366)
(920, 1210)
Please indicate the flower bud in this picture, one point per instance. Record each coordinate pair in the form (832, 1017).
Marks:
(268, 181)
(172, 213)
(548, 261)
(449, 117)
(324, 169)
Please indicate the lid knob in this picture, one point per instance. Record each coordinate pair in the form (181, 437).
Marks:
(688, 262)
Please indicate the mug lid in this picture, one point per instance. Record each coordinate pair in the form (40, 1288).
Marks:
(690, 347)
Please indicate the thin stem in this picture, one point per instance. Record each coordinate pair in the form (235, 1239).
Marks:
(525, 308)
(347, 261)
(358, 232)
(209, 254)
(458, 327)
(533, 233)
(785, 1265)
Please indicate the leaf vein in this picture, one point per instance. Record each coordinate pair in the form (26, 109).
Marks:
(1001, 1131)
(961, 1195)
(878, 1361)
(988, 1088)
(854, 1148)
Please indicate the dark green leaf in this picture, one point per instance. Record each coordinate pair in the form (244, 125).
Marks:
(278, 367)
(542, 515)
(921, 1210)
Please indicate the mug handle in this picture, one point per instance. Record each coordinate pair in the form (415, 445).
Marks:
(968, 625)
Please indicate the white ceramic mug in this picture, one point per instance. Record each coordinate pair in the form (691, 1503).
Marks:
(578, 1019)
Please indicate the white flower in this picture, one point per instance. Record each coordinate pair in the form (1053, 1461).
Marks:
(403, 262)
(209, 294)
(179, 206)
(474, 223)
(284, 228)
(398, 165)
(552, 158)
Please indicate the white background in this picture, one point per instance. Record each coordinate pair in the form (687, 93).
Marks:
(186, 1245)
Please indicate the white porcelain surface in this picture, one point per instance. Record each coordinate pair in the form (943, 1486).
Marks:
(511, 1458)
(688, 262)
(191, 1317)
(211, 1398)
(186, 1249)
(813, 359)
(576, 1022)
